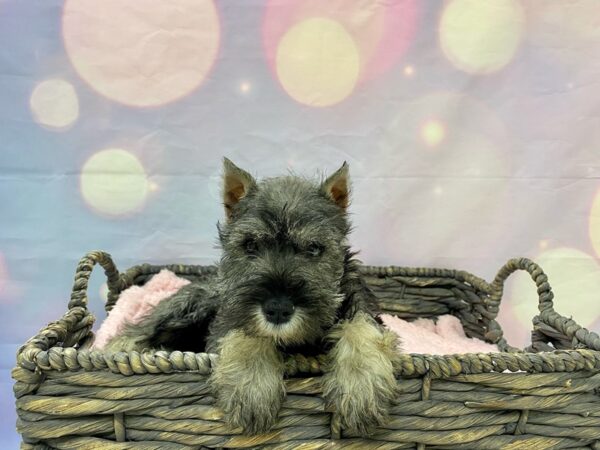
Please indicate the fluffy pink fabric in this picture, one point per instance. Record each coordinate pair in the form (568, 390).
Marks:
(135, 302)
(445, 337)
(421, 336)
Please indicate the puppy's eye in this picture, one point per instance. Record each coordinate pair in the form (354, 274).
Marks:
(250, 247)
(314, 249)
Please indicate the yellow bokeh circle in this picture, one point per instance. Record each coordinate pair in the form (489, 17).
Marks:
(54, 103)
(481, 36)
(318, 63)
(103, 291)
(575, 279)
(141, 54)
(433, 132)
(114, 183)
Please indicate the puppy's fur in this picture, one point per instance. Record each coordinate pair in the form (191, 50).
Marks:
(287, 282)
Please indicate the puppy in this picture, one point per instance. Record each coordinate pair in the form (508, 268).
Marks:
(287, 283)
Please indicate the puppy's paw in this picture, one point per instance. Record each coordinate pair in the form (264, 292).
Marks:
(248, 382)
(360, 381)
(360, 398)
(253, 408)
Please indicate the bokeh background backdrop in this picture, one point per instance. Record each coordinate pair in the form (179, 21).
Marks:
(472, 130)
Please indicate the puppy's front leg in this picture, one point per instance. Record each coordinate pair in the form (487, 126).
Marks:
(248, 381)
(360, 381)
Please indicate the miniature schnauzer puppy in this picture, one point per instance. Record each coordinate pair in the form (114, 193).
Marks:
(287, 283)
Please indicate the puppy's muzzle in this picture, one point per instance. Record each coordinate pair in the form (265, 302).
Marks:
(278, 310)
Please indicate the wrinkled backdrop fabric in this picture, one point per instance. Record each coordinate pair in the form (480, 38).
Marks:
(472, 131)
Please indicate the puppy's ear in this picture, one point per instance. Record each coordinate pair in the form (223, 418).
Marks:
(236, 185)
(337, 187)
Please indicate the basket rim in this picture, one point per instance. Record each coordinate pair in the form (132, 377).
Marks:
(409, 365)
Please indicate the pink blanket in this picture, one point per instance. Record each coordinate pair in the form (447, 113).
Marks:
(445, 337)
(421, 336)
(137, 301)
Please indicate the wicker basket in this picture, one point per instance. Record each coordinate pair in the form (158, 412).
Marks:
(72, 398)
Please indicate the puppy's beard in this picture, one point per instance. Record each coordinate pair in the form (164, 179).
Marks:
(295, 331)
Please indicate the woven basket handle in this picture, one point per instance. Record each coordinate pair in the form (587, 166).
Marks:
(83, 273)
(548, 326)
(544, 290)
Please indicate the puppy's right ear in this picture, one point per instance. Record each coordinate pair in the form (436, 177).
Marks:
(337, 187)
(236, 185)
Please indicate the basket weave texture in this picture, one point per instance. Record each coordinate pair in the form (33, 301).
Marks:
(69, 397)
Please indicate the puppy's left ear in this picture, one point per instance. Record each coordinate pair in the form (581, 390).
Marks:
(236, 185)
(337, 187)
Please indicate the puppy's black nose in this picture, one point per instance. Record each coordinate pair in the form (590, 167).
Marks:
(278, 310)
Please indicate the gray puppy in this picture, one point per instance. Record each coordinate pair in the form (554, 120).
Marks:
(287, 283)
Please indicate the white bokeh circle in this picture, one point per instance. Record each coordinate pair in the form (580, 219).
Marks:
(141, 54)
(54, 104)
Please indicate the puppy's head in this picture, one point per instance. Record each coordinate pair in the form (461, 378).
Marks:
(284, 251)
